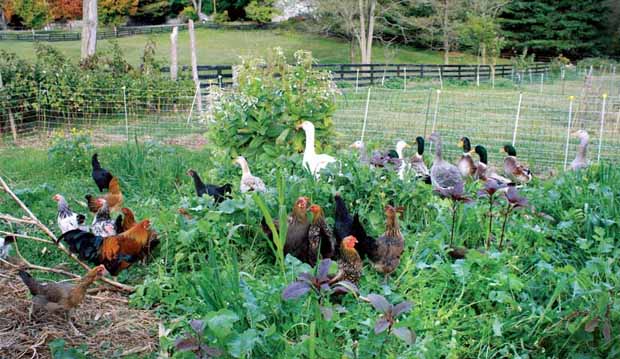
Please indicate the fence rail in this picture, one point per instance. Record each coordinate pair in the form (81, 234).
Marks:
(57, 35)
(363, 75)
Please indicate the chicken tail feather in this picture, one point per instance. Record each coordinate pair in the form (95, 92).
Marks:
(30, 282)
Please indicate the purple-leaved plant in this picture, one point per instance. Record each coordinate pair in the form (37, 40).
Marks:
(490, 190)
(455, 194)
(389, 313)
(514, 201)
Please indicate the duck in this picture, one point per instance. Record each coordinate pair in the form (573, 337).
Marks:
(417, 164)
(361, 148)
(466, 163)
(444, 175)
(402, 166)
(518, 173)
(311, 160)
(580, 161)
(483, 171)
(248, 181)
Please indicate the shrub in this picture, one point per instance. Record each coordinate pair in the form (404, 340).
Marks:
(71, 152)
(261, 11)
(189, 13)
(221, 17)
(258, 118)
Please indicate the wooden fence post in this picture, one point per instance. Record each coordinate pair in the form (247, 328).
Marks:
(192, 44)
(174, 65)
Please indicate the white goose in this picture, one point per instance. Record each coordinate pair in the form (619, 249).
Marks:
(312, 161)
(404, 166)
(248, 181)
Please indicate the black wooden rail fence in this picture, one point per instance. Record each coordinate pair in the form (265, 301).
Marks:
(374, 74)
(60, 35)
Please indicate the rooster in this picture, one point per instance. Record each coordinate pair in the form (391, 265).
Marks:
(114, 198)
(320, 237)
(67, 219)
(125, 223)
(349, 264)
(103, 225)
(217, 192)
(101, 176)
(63, 296)
(389, 246)
(116, 252)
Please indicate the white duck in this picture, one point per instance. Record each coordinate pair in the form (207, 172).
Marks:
(67, 219)
(402, 168)
(580, 161)
(248, 181)
(312, 161)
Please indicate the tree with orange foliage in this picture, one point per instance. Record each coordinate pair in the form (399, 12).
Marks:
(63, 10)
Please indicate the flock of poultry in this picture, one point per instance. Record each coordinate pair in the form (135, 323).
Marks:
(114, 245)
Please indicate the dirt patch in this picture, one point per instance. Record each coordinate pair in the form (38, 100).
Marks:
(109, 327)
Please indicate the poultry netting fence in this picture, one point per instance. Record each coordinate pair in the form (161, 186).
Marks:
(538, 117)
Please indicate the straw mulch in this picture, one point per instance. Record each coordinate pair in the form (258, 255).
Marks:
(108, 326)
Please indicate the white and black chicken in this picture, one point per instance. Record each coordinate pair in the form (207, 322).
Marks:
(103, 225)
(5, 246)
(67, 219)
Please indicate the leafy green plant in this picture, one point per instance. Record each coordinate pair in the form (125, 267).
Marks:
(59, 350)
(270, 98)
(189, 13)
(261, 11)
(71, 151)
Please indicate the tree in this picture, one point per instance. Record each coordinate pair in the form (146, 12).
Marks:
(63, 10)
(34, 14)
(550, 27)
(151, 11)
(89, 29)
(261, 11)
(115, 12)
(479, 33)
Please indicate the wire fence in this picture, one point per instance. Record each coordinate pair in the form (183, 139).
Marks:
(537, 117)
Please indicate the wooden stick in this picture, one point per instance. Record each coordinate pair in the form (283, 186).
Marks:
(33, 220)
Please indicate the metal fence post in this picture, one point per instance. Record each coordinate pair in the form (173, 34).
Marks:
(570, 118)
(514, 132)
(405, 77)
(441, 76)
(542, 80)
(366, 113)
(600, 136)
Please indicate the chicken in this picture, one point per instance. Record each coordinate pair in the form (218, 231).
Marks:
(67, 219)
(320, 237)
(116, 252)
(248, 181)
(390, 245)
(62, 296)
(101, 176)
(350, 263)
(217, 192)
(103, 225)
(5, 246)
(346, 226)
(297, 235)
(128, 221)
(114, 198)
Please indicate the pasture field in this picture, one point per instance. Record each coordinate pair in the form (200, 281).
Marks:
(553, 291)
(221, 46)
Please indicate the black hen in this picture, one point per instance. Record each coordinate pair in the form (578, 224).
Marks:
(217, 192)
(346, 226)
(101, 176)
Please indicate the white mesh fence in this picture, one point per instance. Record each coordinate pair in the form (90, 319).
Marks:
(535, 116)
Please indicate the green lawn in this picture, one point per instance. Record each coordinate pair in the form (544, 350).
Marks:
(226, 46)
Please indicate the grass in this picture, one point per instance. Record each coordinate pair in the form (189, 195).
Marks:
(217, 46)
(550, 293)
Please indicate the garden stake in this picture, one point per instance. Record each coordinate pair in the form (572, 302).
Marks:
(366, 114)
(600, 136)
(570, 116)
(514, 133)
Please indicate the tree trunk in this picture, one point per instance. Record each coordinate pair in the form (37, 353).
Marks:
(89, 28)
(371, 29)
(214, 7)
(483, 52)
(362, 32)
(174, 66)
(2, 20)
